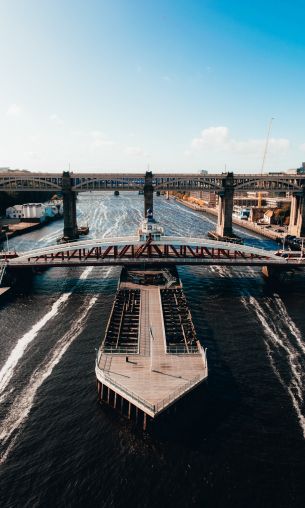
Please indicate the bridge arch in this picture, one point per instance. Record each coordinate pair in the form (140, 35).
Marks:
(21, 184)
(124, 250)
(269, 184)
(197, 183)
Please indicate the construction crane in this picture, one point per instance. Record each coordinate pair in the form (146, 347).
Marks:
(259, 202)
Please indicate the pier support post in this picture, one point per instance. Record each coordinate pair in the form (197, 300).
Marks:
(225, 207)
(297, 214)
(144, 421)
(99, 390)
(69, 204)
(148, 193)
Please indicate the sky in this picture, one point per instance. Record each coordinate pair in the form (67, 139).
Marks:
(173, 85)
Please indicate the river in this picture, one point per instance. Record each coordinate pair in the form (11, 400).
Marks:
(240, 444)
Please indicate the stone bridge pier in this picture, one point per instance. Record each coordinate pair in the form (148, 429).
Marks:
(69, 204)
(225, 207)
(297, 214)
(148, 193)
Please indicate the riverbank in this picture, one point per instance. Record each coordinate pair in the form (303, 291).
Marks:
(260, 230)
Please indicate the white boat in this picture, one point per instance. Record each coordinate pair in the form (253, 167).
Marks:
(150, 228)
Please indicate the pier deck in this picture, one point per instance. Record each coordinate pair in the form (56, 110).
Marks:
(153, 379)
(4, 291)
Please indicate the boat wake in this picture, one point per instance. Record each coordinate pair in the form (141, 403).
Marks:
(282, 339)
(8, 369)
(23, 403)
(279, 327)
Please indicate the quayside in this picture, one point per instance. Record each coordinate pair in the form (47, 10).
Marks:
(150, 356)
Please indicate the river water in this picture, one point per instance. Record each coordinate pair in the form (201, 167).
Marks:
(239, 442)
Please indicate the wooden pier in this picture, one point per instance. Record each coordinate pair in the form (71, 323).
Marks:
(143, 380)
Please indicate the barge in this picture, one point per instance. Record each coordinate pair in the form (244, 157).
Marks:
(150, 356)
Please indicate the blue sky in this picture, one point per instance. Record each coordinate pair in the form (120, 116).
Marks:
(180, 85)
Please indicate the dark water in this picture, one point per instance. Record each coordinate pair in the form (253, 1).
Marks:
(238, 442)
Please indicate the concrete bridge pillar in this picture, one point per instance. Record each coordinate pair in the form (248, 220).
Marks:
(297, 214)
(148, 193)
(225, 207)
(69, 203)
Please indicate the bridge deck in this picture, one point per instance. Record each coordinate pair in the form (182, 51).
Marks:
(153, 379)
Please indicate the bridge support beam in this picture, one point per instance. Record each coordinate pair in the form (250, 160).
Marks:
(297, 214)
(148, 193)
(225, 207)
(69, 203)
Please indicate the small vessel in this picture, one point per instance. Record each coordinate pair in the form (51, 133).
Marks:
(150, 228)
(83, 230)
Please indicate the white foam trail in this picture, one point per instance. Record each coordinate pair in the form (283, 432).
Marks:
(7, 370)
(279, 339)
(23, 403)
(17, 353)
(277, 335)
(294, 330)
(50, 235)
(274, 333)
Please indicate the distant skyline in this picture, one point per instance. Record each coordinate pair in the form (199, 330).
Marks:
(179, 85)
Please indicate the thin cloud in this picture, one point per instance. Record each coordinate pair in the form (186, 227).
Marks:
(13, 110)
(218, 139)
(135, 151)
(99, 139)
(56, 119)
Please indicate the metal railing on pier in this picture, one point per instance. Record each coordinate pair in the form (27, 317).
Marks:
(2, 270)
(129, 350)
(182, 350)
(156, 408)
